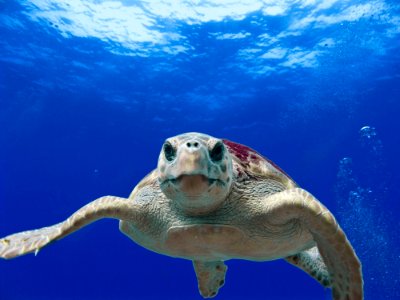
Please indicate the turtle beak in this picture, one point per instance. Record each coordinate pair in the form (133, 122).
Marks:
(193, 185)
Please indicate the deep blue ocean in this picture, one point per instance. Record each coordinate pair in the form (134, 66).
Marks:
(90, 89)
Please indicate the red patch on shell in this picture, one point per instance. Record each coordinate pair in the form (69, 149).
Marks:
(242, 152)
(246, 155)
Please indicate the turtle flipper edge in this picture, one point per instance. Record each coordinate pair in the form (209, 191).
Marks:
(28, 241)
(33, 240)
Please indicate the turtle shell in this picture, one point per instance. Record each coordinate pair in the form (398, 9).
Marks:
(253, 164)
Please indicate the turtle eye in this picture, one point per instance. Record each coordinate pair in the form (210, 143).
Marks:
(217, 153)
(169, 151)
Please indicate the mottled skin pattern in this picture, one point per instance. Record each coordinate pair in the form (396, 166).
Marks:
(211, 200)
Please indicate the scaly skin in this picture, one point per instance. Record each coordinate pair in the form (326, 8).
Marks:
(211, 200)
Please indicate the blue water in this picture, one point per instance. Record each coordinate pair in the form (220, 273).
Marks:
(89, 90)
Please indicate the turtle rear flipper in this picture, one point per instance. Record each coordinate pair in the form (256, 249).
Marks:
(210, 276)
(33, 240)
(310, 261)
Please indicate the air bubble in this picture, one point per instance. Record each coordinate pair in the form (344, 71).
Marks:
(345, 166)
(370, 141)
(373, 157)
(368, 132)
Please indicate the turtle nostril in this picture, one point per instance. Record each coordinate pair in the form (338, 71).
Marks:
(192, 144)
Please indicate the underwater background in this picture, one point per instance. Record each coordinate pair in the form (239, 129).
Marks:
(90, 89)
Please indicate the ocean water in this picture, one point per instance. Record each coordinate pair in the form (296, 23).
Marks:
(90, 89)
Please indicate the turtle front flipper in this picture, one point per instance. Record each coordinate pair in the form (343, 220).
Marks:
(337, 253)
(33, 240)
(210, 276)
(311, 262)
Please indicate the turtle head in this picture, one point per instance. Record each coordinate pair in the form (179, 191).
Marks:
(195, 171)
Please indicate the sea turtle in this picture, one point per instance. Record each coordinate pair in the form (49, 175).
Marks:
(211, 200)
